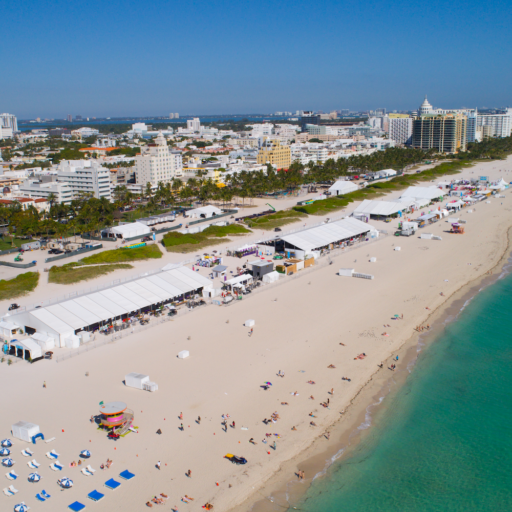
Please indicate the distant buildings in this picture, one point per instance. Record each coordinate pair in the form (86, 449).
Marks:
(500, 124)
(272, 152)
(85, 177)
(69, 118)
(443, 132)
(8, 126)
(157, 163)
(84, 132)
(194, 125)
(174, 116)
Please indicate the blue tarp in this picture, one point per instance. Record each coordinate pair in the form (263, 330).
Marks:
(95, 496)
(112, 484)
(76, 506)
(126, 475)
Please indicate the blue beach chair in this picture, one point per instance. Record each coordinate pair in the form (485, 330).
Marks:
(126, 475)
(95, 495)
(112, 484)
(40, 498)
(45, 494)
(76, 506)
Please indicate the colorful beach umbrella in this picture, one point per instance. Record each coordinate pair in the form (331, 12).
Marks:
(6, 443)
(20, 507)
(85, 454)
(7, 462)
(34, 477)
(4, 452)
(66, 483)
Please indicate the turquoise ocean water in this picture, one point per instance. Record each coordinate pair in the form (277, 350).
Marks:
(443, 441)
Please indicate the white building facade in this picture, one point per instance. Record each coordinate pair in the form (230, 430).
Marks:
(9, 121)
(157, 164)
(500, 124)
(85, 177)
(400, 129)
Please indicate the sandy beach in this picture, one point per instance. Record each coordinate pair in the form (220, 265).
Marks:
(311, 327)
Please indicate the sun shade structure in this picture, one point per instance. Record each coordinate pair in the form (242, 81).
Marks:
(112, 484)
(371, 208)
(85, 454)
(4, 452)
(67, 483)
(204, 212)
(21, 507)
(126, 475)
(6, 443)
(34, 477)
(127, 230)
(89, 312)
(343, 187)
(326, 234)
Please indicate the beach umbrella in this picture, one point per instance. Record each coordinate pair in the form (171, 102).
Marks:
(34, 477)
(6, 443)
(7, 462)
(85, 454)
(67, 483)
(4, 452)
(269, 383)
(20, 507)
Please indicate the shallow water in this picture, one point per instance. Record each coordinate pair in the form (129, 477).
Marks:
(443, 441)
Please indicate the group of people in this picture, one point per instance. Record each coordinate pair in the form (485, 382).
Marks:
(157, 500)
(75, 464)
(107, 464)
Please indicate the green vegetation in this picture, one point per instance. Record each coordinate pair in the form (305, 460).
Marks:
(19, 286)
(124, 255)
(74, 272)
(178, 242)
(6, 243)
(275, 220)
(373, 190)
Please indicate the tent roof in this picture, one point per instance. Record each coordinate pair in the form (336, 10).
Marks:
(238, 279)
(204, 209)
(423, 193)
(320, 236)
(388, 172)
(31, 345)
(80, 312)
(372, 207)
(129, 228)
(8, 325)
(343, 186)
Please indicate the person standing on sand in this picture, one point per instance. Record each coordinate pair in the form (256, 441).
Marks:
(158, 465)
(44, 384)
(189, 473)
(199, 420)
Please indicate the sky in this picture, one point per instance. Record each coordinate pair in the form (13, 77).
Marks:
(127, 58)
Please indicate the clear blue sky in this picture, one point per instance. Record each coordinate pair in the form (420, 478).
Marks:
(115, 58)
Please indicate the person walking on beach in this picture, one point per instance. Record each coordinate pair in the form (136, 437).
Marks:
(181, 416)
(158, 465)
(44, 384)
(189, 473)
(199, 420)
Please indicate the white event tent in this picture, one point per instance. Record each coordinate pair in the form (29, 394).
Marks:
(429, 193)
(128, 230)
(87, 312)
(373, 208)
(321, 236)
(204, 212)
(343, 187)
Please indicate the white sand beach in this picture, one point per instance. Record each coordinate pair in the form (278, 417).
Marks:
(304, 324)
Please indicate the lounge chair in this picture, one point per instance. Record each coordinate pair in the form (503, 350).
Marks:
(40, 498)
(126, 475)
(56, 466)
(91, 470)
(112, 484)
(7, 492)
(76, 506)
(95, 496)
(33, 464)
(13, 490)
(45, 494)
(11, 476)
(52, 455)
(85, 472)
(26, 453)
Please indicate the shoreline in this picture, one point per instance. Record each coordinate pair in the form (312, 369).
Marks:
(350, 430)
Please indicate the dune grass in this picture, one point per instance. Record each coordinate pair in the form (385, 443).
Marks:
(74, 272)
(19, 286)
(124, 255)
(188, 242)
(275, 220)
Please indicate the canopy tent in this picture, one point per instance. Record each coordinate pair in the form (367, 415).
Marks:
(26, 349)
(500, 185)
(25, 430)
(271, 277)
(343, 187)
(204, 212)
(238, 281)
(455, 205)
(8, 330)
(388, 172)
(382, 208)
(43, 340)
(326, 234)
(62, 320)
(429, 193)
(418, 203)
(127, 230)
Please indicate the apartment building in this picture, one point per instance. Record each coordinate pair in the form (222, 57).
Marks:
(400, 128)
(444, 132)
(272, 152)
(157, 163)
(8, 126)
(500, 124)
(85, 177)
(43, 189)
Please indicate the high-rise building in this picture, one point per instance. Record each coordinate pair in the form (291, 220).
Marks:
(500, 124)
(194, 125)
(176, 116)
(85, 177)
(9, 121)
(171, 116)
(70, 118)
(444, 132)
(156, 163)
(78, 118)
(272, 152)
(308, 118)
(400, 128)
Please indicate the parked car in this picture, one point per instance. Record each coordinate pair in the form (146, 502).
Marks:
(147, 239)
(14, 306)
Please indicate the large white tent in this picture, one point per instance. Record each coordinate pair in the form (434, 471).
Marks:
(382, 208)
(429, 193)
(128, 230)
(62, 320)
(321, 236)
(343, 187)
(204, 212)
(387, 172)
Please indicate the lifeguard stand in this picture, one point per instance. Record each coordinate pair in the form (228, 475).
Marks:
(116, 415)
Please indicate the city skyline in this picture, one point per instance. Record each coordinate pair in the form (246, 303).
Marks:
(238, 57)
